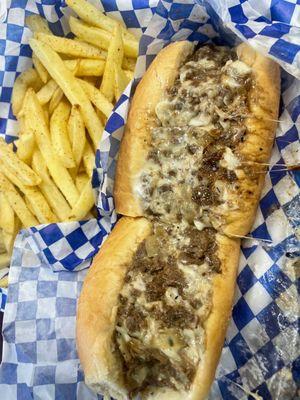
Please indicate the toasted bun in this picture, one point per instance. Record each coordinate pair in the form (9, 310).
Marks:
(135, 144)
(97, 314)
(263, 103)
(98, 305)
(263, 99)
(99, 298)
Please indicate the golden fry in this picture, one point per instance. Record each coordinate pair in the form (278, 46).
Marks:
(4, 263)
(60, 174)
(128, 63)
(37, 203)
(51, 192)
(16, 202)
(86, 67)
(71, 88)
(97, 98)
(37, 24)
(7, 216)
(25, 147)
(129, 74)
(81, 181)
(20, 169)
(70, 47)
(40, 69)
(23, 81)
(88, 159)
(92, 15)
(85, 202)
(92, 80)
(45, 94)
(121, 81)
(60, 136)
(77, 134)
(55, 100)
(100, 37)
(2, 245)
(9, 238)
(114, 57)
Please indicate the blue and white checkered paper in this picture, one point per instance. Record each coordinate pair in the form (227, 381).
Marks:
(260, 353)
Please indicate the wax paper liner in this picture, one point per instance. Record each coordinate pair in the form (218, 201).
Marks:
(260, 353)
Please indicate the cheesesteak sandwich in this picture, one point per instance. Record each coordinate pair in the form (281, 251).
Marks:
(154, 308)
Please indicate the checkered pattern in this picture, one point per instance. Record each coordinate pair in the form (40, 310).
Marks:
(66, 245)
(272, 26)
(3, 295)
(39, 329)
(260, 353)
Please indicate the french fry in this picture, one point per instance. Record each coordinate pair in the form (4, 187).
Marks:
(92, 80)
(16, 202)
(70, 47)
(9, 238)
(37, 24)
(51, 192)
(121, 81)
(10, 175)
(129, 74)
(20, 169)
(81, 180)
(2, 245)
(40, 69)
(23, 81)
(4, 281)
(59, 173)
(22, 128)
(45, 94)
(90, 67)
(96, 97)
(88, 159)
(128, 63)
(4, 262)
(114, 57)
(100, 37)
(86, 67)
(46, 114)
(29, 205)
(60, 136)
(38, 205)
(77, 134)
(25, 147)
(39, 166)
(85, 202)
(90, 14)
(7, 215)
(71, 88)
(55, 100)
(55, 199)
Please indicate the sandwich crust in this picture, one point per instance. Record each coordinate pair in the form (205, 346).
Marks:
(236, 215)
(215, 326)
(98, 302)
(98, 305)
(135, 144)
(256, 149)
(97, 308)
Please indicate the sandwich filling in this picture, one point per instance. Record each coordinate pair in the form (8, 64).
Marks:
(191, 166)
(192, 162)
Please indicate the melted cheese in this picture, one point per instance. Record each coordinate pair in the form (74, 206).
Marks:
(205, 103)
(230, 161)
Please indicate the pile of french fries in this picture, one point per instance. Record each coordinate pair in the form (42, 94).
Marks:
(62, 105)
